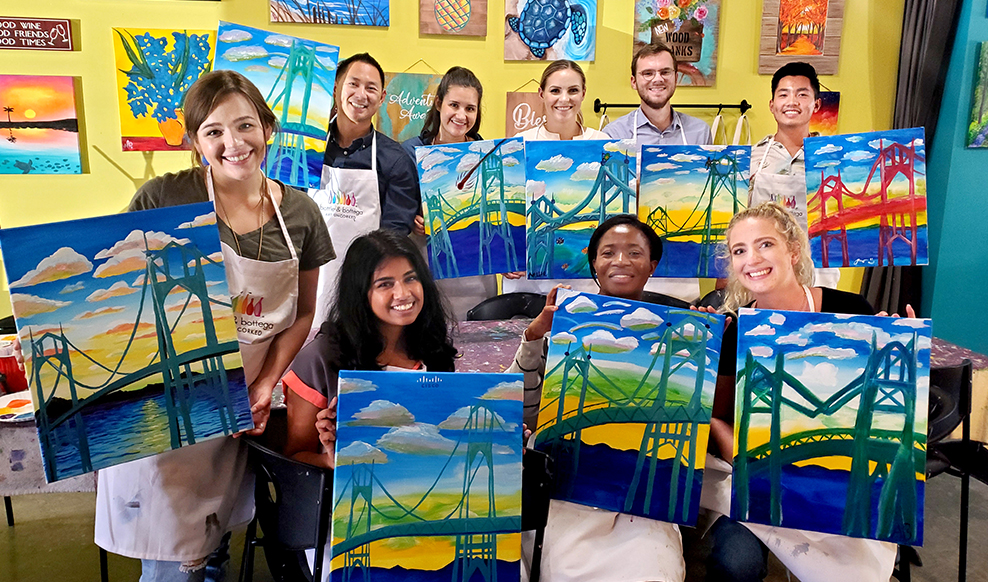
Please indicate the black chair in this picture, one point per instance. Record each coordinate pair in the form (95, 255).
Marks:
(713, 299)
(290, 528)
(536, 479)
(508, 306)
(661, 299)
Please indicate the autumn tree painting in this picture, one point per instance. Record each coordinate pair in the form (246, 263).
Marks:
(802, 24)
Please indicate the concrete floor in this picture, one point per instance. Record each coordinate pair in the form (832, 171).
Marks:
(52, 540)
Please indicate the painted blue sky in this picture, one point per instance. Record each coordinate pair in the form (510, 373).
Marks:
(409, 424)
(854, 154)
(827, 351)
(673, 176)
(625, 334)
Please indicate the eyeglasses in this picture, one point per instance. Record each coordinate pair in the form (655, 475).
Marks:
(649, 74)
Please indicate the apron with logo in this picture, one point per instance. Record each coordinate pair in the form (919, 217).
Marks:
(177, 505)
(789, 190)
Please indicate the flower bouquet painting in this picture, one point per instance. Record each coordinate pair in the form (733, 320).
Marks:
(689, 27)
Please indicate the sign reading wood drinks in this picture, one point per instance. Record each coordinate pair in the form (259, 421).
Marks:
(43, 34)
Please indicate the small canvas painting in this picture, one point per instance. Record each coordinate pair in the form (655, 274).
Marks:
(830, 423)
(473, 195)
(977, 131)
(524, 111)
(690, 28)
(802, 27)
(155, 68)
(296, 78)
(428, 477)
(688, 195)
(824, 121)
(571, 187)
(408, 100)
(801, 30)
(550, 30)
(39, 126)
(128, 335)
(866, 198)
(626, 404)
(345, 12)
(454, 17)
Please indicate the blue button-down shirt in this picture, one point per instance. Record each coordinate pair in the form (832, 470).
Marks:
(696, 131)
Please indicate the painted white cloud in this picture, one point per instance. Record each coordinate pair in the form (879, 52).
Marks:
(661, 166)
(581, 304)
(506, 391)
(822, 374)
(513, 146)
(875, 144)
(535, 188)
(855, 138)
(204, 220)
(467, 162)
(428, 157)
(777, 319)
(27, 305)
(458, 420)
(62, 264)
(793, 339)
(126, 262)
(509, 162)
(654, 335)
(609, 312)
(382, 413)
(913, 323)
(761, 351)
(627, 147)
(235, 36)
(825, 352)
(245, 53)
(118, 289)
(665, 181)
(99, 312)
(557, 163)
(605, 342)
(563, 338)
(433, 175)
(857, 155)
(277, 61)
(356, 386)
(617, 304)
(682, 172)
(72, 288)
(328, 62)
(641, 319)
(418, 439)
(828, 149)
(279, 40)
(586, 171)
(360, 453)
(827, 164)
(761, 330)
(683, 158)
(135, 240)
(481, 147)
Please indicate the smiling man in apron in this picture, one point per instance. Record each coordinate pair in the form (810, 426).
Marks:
(778, 165)
(655, 122)
(368, 181)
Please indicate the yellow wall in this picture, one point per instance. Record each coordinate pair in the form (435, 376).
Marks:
(868, 62)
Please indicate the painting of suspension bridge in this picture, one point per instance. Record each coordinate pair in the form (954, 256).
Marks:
(128, 335)
(688, 195)
(830, 423)
(626, 404)
(866, 198)
(473, 195)
(428, 477)
(296, 77)
(571, 188)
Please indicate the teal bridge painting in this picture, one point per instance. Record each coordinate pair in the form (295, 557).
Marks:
(688, 196)
(830, 425)
(626, 404)
(121, 368)
(474, 197)
(428, 477)
(571, 188)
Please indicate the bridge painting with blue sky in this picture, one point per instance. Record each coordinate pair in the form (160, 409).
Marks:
(128, 334)
(573, 186)
(831, 423)
(866, 198)
(296, 78)
(473, 197)
(428, 477)
(688, 195)
(626, 404)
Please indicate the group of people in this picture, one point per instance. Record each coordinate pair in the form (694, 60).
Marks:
(367, 289)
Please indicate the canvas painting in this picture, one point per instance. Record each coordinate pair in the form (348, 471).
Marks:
(455, 17)
(688, 195)
(626, 404)
(549, 30)
(128, 335)
(866, 198)
(473, 195)
(409, 98)
(824, 121)
(977, 131)
(296, 78)
(801, 30)
(155, 68)
(690, 28)
(345, 12)
(41, 129)
(571, 187)
(428, 476)
(524, 111)
(830, 423)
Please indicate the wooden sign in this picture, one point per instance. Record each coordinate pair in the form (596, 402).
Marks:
(40, 34)
(525, 111)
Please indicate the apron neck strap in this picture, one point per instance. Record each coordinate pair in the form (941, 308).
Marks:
(211, 191)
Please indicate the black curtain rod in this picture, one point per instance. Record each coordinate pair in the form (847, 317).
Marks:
(743, 106)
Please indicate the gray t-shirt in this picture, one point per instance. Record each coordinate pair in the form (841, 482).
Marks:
(305, 223)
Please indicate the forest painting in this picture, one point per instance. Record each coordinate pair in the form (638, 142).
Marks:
(802, 24)
(39, 125)
(801, 30)
(977, 131)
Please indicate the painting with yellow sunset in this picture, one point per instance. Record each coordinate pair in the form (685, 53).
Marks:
(39, 126)
(830, 423)
(128, 334)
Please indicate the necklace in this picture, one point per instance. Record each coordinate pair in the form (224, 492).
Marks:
(260, 220)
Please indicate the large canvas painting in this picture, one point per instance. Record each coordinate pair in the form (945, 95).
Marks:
(409, 98)
(296, 78)
(977, 131)
(128, 335)
(154, 70)
(626, 404)
(801, 30)
(690, 28)
(428, 477)
(571, 187)
(866, 198)
(549, 30)
(39, 125)
(524, 111)
(830, 423)
(824, 121)
(473, 195)
(454, 17)
(688, 195)
(345, 12)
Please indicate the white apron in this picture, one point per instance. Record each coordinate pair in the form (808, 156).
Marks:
(351, 205)
(177, 505)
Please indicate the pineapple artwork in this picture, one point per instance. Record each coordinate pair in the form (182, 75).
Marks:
(455, 17)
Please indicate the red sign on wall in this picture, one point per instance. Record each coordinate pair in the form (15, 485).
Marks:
(44, 34)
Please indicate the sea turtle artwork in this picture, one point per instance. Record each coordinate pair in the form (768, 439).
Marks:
(543, 23)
